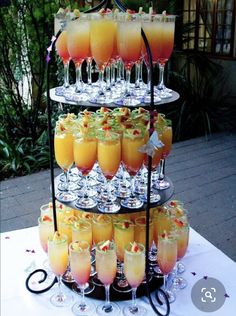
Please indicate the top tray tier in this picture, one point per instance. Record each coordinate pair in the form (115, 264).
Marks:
(60, 99)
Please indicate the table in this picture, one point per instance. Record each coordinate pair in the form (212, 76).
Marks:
(21, 248)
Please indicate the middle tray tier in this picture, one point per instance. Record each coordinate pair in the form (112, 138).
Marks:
(165, 195)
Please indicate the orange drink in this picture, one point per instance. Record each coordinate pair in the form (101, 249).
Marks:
(63, 139)
(123, 235)
(106, 261)
(85, 152)
(80, 263)
(66, 225)
(102, 228)
(134, 264)
(166, 138)
(167, 253)
(109, 154)
(82, 230)
(46, 230)
(58, 253)
(182, 234)
(78, 39)
(140, 231)
(162, 222)
(102, 34)
(61, 47)
(132, 159)
(134, 269)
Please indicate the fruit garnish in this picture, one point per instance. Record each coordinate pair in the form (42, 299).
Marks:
(129, 11)
(142, 220)
(104, 109)
(76, 13)
(56, 236)
(75, 246)
(87, 215)
(126, 225)
(50, 205)
(46, 218)
(179, 223)
(134, 247)
(136, 132)
(61, 127)
(105, 246)
(106, 127)
(173, 203)
(70, 219)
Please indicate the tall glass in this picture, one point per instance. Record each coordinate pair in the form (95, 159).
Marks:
(80, 268)
(152, 32)
(123, 235)
(62, 51)
(132, 158)
(140, 230)
(166, 138)
(166, 258)
(109, 159)
(129, 48)
(46, 230)
(102, 228)
(78, 43)
(134, 267)
(102, 34)
(106, 271)
(165, 41)
(63, 138)
(58, 261)
(85, 155)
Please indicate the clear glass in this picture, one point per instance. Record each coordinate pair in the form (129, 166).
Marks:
(134, 268)
(106, 270)
(80, 268)
(58, 261)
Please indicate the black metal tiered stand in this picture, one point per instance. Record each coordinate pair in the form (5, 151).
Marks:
(159, 297)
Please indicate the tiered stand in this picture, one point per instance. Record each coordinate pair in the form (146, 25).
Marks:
(149, 286)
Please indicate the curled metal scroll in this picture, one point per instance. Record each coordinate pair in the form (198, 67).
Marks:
(41, 280)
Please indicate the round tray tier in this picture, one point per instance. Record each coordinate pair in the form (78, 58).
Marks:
(61, 99)
(165, 195)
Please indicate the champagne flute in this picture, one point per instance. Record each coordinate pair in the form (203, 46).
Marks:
(134, 267)
(63, 138)
(80, 268)
(109, 158)
(62, 51)
(102, 34)
(166, 43)
(166, 258)
(129, 48)
(106, 272)
(78, 35)
(58, 261)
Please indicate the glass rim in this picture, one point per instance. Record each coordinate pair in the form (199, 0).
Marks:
(107, 221)
(81, 249)
(84, 221)
(142, 251)
(63, 240)
(97, 249)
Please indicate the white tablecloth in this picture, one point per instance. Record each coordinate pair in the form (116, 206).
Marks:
(21, 248)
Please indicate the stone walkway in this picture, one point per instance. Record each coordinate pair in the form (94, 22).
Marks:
(203, 173)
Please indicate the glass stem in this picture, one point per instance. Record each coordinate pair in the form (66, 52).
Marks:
(113, 73)
(109, 190)
(66, 74)
(137, 75)
(134, 304)
(108, 78)
(118, 78)
(101, 77)
(82, 302)
(85, 187)
(127, 90)
(161, 85)
(107, 292)
(132, 186)
(122, 71)
(66, 174)
(141, 72)
(164, 282)
(148, 90)
(60, 293)
(78, 83)
(89, 70)
(162, 169)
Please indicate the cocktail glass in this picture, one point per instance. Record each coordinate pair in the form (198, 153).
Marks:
(102, 228)
(166, 138)
(166, 258)
(85, 155)
(102, 34)
(63, 138)
(129, 48)
(132, 158)
(106, 272)
(58, 261)
(134, 267)
(123, 235)
(165, 42)
(62, 51)
(109, 159)
(80, 268)
(78, 44)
